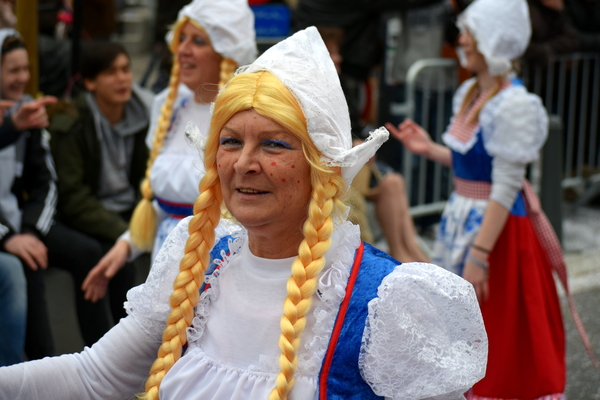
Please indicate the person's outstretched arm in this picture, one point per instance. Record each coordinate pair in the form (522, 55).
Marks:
(116, 367)
(418, 141)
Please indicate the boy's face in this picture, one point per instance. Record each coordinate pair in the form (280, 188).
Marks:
(113, 85)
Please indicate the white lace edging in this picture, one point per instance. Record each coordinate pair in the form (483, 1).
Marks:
(424, 336)
(332, 287)
(196, 332)
(148, 303)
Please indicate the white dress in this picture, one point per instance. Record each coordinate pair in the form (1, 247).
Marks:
(426, 338)
(177, 170)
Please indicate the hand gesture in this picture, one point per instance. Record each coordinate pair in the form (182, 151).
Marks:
(28, 248)
(32, 114)
(96, 281)
(412, 136)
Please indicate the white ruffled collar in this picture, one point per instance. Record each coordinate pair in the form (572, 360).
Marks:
(330, 292)
(458, 146)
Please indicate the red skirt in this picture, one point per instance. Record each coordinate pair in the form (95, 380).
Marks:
(523, 320)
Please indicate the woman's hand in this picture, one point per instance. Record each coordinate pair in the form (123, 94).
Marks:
(96, 281)
(412, 136)
(477, 276)
(32, 114)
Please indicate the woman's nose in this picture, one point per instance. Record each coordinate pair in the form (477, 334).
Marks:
(183, 47)
(247, 162)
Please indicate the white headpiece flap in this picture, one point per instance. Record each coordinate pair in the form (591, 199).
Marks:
(502, 30)
(302, 63)
(229, 25)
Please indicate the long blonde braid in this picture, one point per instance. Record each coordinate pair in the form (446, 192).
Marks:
(187, 284)
(263, 92)
(305, 272)
(143, 220)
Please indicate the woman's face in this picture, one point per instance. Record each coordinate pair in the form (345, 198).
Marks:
(15, 74)
(199, 63)
(265, 178)
(474, 60)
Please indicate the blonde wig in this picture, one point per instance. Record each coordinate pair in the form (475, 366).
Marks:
(267, 95)
(143, 221)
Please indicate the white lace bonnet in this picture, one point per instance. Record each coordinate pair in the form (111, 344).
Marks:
(302, 63)
(502, 29)
(229, 25)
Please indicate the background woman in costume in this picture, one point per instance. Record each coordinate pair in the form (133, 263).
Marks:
(209, 40)
(489, 232)
(355, 324)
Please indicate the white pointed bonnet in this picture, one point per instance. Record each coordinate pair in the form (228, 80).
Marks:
(303, 64)
(229, 25)
(502, 29)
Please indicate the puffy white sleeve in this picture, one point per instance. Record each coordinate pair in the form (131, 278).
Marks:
(514, 125)
(424, 337)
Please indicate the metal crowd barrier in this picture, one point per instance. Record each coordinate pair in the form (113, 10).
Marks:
(428, 89)
(570, 88)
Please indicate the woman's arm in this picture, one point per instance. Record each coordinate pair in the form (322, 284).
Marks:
(493, 222)
(113, 368)
(507, 178)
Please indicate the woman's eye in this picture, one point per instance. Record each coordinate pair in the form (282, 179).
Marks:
(182, 38)
(276, 144)
(230, 142)
(199, 41)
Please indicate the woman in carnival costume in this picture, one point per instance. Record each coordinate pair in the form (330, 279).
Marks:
(355, 324)
(493, 232)
(209, 40)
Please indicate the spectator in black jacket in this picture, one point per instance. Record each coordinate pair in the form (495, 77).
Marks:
(28, 197)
